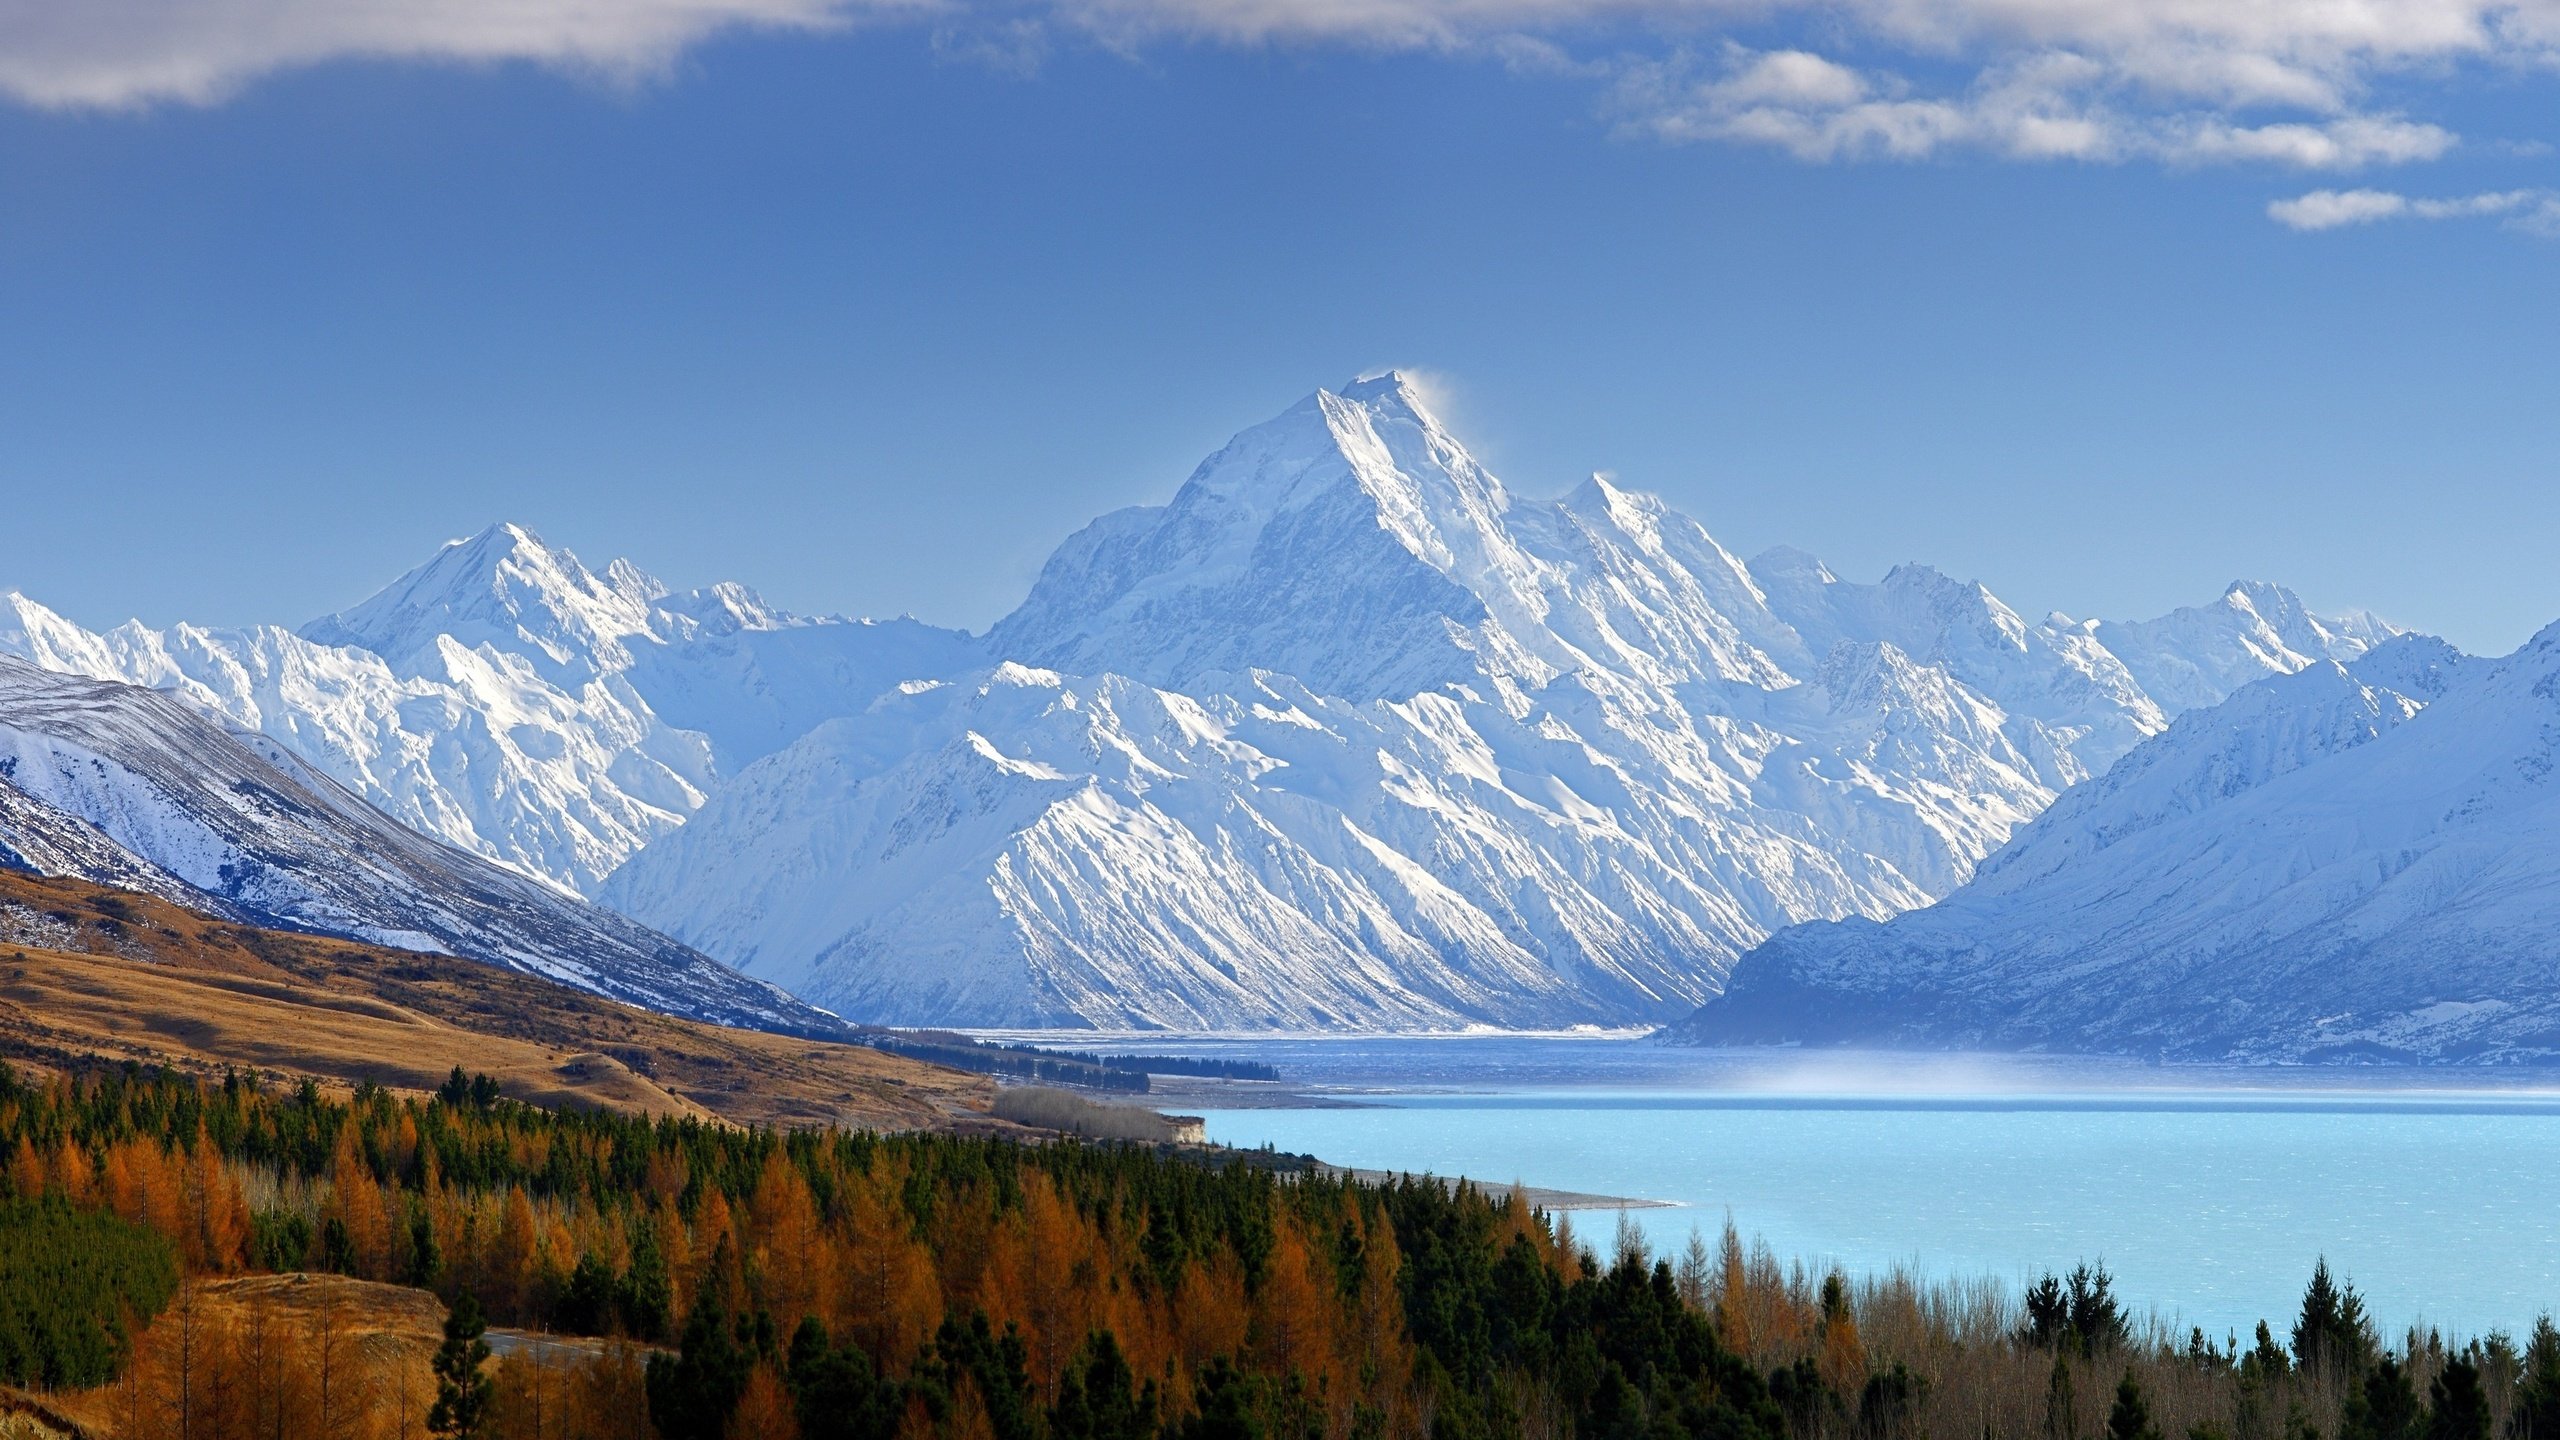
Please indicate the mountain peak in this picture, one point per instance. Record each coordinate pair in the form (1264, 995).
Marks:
(1339, 541)
(1788, 562)
(2269, 599)
(1386, 385)
(504, 587)
(32, 631)
(1599, 494)
(494, 545)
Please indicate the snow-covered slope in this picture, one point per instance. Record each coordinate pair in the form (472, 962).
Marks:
(132, 787)
(1347, 735)
(508, 701)
(1025, 848)
(38, 838)
(2358, 860)
(2196, 655)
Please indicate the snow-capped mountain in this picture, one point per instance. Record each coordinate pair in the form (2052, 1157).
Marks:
(508, 701)
(1344, 734)
(1347, 735)
(132, 787)
(2196, 655)
(2354, 861)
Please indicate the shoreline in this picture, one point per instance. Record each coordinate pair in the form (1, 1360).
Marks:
(1540, 1196)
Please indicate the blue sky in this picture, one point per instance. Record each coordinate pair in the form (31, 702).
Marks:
(870, 314)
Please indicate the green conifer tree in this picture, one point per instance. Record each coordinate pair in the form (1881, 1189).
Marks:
(426, 1264)
(2131, 1417)
(464, 1395)
(2383, 1407)
(2331, 1332)
(2537, 1403)
(2061, 1403)
(2457, 1404)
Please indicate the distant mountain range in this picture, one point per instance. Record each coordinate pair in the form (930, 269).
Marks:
(1343, 736)
(2359, 862)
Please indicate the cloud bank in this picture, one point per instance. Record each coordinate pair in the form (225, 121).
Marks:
(2288, 83)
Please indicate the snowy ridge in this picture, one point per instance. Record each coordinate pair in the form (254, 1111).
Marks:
(529, 731)
(1345, 735)
(2196, 655)
(2355, 861)
(125, 786)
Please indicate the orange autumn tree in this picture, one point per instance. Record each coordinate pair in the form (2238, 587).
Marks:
(610, 1225)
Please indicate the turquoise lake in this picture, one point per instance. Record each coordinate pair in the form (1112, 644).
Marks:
(2209, 1193)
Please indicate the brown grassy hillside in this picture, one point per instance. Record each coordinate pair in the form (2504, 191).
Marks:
(88, 972)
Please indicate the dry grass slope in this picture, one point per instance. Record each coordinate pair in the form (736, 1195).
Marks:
(92, 973)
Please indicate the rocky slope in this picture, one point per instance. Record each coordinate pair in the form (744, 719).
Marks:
(124, 786)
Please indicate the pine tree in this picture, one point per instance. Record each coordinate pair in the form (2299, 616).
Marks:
(1889, 1406)
(2383, 1407)
(2061, 1400)
(835, 1390)
(2098, 1323)
(1844, 1358)
(2131, 1417)
(2048, 1319)
(464, 1394)
(2266, 1360)
(2331, 1332)
(2457, 1407)
(2537, 1403)
(692, 1393)
(426, 1262)
(1101, 1399)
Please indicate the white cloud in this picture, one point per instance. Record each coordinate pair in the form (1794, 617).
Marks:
(2536, 211)
(1794, 79)
(2050, 106)
(2277, 82)
(110, 54)
(2330, 209)
(2348, 143)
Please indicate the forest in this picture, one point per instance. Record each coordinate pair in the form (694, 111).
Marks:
(698, 1281)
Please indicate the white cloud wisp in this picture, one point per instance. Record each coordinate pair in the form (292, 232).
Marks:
(2536, 212)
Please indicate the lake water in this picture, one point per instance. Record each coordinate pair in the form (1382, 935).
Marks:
(2208, 1193)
